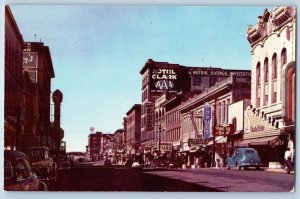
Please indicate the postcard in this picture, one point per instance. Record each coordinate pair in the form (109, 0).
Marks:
(149, 98)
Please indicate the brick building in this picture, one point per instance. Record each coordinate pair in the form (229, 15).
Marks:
(204, 118)
(14, 44)
(94, 145)
(133, 130)
(161, 81)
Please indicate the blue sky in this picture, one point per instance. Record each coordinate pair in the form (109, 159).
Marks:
(98, 51)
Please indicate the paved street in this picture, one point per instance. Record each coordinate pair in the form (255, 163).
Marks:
(94, 177)
(234, 180)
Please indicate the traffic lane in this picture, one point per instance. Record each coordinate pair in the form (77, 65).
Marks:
(120, 179)
(234, 180)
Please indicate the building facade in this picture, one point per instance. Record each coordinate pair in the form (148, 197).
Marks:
(119, 145)
(204, 120)
(133, 130)
(162, 80)
(14, 45)
(107, 145)
(273, 53)
(94, 145)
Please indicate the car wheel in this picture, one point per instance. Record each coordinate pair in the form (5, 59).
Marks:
(238, 167)
(43, 186)
(228, 167)
(286, 169)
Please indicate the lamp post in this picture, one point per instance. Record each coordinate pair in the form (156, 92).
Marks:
(159, 138)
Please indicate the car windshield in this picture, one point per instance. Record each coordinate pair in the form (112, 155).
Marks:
(8, 172)
(249, 152)
(36, 155)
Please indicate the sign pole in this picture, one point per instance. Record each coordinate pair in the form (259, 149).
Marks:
(214, 132)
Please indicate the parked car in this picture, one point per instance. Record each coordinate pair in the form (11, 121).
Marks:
(76, 156)
(107, 163)
(62, 161)
(129, 163)
(18, 174)
(42, 163)
(244, 158)
(135, 165)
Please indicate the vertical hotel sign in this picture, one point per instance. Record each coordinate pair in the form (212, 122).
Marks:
(30, 63)
(206, 120)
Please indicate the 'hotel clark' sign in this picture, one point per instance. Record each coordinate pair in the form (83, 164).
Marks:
(164, 79)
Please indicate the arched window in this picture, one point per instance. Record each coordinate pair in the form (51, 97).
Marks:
(266, 68)
(283, 57)
(283, 61)
(291, 95)
(258, 73)
(274, 76)
(274, 66)
(234, 124)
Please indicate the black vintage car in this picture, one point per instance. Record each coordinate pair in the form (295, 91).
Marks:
(18, 175)
(42, 163)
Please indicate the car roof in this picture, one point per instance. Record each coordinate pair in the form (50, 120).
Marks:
(244, 149)
(38, 147)
(14, 155)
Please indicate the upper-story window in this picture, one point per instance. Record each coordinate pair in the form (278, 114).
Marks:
(274, 66)
(266, 68)
(224, 112)
(258, 73)
(219, 112)
(283, 57)
(197, 81)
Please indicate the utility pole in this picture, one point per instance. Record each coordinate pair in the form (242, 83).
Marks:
(159, 131)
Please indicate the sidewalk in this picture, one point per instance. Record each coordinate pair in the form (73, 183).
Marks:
(278, 170)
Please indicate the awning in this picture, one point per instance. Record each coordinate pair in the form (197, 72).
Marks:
(238, 132)
(221, 139)
(218, 140)
(259, 141)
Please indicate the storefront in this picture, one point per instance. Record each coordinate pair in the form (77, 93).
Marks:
(265, 137)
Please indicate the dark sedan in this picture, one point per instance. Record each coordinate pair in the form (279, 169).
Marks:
(18, 175)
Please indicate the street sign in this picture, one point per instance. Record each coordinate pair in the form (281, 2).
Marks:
(195, 142)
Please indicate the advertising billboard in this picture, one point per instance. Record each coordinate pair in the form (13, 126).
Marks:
(218, 72)
(30, 65)
(162, 79)
(149, 116)
(206, 120)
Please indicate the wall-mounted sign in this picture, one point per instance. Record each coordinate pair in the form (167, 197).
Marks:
(162, 79)
(218, 72)
(166, 146)
(30, 65)
(206, 120)
(149, 116)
